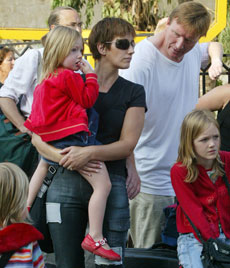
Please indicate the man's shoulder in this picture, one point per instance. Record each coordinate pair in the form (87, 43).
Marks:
(31, 55)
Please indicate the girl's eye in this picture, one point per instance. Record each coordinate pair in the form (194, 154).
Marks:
(74, 50)
(216, 137)
(204, 139)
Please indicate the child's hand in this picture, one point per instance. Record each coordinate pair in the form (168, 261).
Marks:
(85, 67)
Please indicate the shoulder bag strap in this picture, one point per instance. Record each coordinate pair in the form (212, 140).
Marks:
(5, 258)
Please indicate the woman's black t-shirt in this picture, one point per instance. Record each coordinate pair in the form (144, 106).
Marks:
(112, 107)
(223, 119)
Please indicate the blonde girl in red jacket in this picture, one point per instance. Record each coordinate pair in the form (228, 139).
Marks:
(197, 181)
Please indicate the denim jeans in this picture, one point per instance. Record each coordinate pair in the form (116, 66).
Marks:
(67, 214)
(189, 250)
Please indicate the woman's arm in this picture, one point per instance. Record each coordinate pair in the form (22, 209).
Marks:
(215, 99)
(76, 157)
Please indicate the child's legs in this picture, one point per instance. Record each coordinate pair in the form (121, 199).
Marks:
(36, 181)
(101, 188)
(189, 250)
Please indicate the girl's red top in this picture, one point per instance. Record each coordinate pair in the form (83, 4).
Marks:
(60, 103)
(206, 203)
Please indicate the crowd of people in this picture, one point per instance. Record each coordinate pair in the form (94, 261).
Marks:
(126, 140)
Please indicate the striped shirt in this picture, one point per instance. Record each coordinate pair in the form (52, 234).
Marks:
(27, 257)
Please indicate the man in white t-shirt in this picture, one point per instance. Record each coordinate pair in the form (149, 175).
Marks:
(168, 66)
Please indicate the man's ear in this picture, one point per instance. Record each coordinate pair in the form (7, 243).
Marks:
(101, 49)
(168, 22)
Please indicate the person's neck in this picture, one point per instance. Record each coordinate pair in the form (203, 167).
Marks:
(3, 77)
(159, 42)
(106, 76)
(208, 164)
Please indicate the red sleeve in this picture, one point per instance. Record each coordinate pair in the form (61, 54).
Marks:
(83, 93)
(189, 202)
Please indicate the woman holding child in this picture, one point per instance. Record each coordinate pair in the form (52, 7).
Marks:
(121, 108)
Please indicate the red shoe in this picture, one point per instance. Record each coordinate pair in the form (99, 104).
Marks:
(97, 249)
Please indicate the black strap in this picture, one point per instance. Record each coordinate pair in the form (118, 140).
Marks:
(225, 179)
(194, 227)
(5, 258)
(226, 182)
(47, 181)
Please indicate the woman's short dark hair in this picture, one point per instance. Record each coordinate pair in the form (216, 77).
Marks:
(105, 31)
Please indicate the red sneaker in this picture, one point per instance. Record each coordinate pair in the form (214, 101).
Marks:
(97, 249)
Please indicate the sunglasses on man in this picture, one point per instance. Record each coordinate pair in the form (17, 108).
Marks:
(122, 44)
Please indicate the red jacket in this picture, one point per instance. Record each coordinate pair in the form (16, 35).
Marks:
(205, 203)
(60, 103)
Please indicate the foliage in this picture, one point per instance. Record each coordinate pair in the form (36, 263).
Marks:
(78, 5)
(142, 14)
(224, 36)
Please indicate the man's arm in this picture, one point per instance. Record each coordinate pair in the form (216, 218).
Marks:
(10, 109)
(215, 51)
(21, 81)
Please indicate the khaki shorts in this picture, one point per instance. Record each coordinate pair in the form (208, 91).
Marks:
(147, 218)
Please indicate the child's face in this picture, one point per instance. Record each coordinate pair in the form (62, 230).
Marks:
(72, 61)
(206, 146)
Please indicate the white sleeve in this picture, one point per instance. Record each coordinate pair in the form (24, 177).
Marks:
(205, 56)
(21, 78)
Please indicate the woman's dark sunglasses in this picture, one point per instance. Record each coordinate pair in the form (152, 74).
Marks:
(122, 44)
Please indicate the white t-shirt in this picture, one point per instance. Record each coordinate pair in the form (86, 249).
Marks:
(171, 92)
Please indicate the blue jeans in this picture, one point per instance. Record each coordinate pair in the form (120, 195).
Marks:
(67, 214)
(189, 250)
(81, 138)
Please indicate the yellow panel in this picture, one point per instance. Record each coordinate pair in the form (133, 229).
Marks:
(220, 21)
(22, 33)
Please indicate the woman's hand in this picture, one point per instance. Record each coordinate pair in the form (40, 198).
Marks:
(75, 158)
(133, 182)
(91, 167)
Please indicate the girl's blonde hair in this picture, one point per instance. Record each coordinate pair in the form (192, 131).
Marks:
(193, 125)
(14, 187)
(58, 44)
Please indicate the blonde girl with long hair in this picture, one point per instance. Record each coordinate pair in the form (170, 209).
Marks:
(59, 116)
(199, 187)
(16, 233)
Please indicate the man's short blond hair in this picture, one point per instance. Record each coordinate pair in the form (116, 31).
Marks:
(193, 16)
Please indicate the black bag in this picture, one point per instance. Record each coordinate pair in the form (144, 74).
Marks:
(215, 254)
(16, 147)
(170, 234)
(159, 255)
(38, 212)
